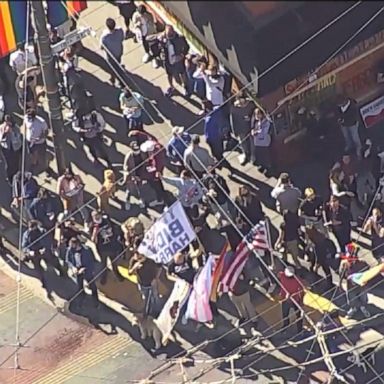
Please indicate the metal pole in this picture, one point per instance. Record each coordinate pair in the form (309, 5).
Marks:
(50, 82)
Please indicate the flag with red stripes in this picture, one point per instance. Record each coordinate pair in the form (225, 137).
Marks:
(257, 238)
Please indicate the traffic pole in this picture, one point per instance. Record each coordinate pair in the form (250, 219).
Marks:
(50, 82)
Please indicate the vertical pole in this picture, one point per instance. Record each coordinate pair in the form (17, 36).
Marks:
(50, 82)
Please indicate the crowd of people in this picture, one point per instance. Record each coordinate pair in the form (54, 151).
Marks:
(314, 228)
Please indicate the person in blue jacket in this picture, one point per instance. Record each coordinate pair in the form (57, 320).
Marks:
(177, 145)
(81, 262)
(214, 128)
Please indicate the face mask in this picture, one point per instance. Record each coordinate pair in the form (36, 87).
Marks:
(137, 152)
(215, 76)
(97, 221)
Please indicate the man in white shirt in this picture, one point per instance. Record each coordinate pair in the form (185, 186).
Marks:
(214, 82)
(22, 58)
(36, 130)
(287, 196)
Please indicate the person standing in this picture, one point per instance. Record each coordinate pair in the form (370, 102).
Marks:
(111, 42)
(131, 104)
(177, 145)
(189, 191)
(292, 296)
(241, 299)
(348, 120)
(338, 219)
(11, 142)
(81, 262)
(21, 59)
(144, 25)
(91, 129)
(286, 195)
(375, 226)
(37, 247)
(311, 210)
(108, 243)
(214, 125)
(173, 50)
(147, 272)
(24, 189)
(70, 188)
(36, 131)
(261, 141)
(241, 113)
(197, 158)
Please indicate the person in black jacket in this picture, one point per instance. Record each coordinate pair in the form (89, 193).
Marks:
(173, 49)
(348, 119)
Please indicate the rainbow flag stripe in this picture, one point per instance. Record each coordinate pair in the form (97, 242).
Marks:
(59, 11)
(13, 16)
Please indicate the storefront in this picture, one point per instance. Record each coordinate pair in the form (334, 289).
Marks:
(302, 101)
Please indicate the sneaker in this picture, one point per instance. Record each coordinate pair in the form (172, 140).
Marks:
(155, 64)
(141, 204)
(242, 159)
(354, 224)
(146, 58)
(127, 206)
(184, 320)
(169, 92)
(201, 112)
(365, 311)
(156, 203)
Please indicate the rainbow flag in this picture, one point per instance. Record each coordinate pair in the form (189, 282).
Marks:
(219, 268)
(13, 17)
(59, 11)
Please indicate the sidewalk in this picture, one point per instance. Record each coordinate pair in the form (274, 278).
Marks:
(162, 115)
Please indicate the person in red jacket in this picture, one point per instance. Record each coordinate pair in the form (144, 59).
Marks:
(292, 292)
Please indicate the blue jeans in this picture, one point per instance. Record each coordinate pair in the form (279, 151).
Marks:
(352, 138)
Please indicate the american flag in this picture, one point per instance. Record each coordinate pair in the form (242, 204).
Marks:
(257, 238)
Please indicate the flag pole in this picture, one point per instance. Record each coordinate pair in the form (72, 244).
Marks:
(268, 232)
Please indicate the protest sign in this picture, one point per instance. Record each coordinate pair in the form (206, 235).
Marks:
(171, 233)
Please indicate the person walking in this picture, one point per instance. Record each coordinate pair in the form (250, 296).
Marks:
(111, 42)
(375, 227)
(177, 145)
(81, 262)
(292, 296)
(11, 142)
(126, 9)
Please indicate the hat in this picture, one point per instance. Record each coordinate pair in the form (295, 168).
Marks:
(289, 271)
(177, 130)
(148, 146)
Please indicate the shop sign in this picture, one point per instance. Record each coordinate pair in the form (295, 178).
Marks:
(339, 60)
(317, 91)
(373, 112)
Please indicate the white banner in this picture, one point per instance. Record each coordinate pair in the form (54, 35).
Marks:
(171, 233)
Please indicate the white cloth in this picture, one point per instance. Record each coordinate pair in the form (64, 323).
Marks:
(214, 89)
(35, 130)
(17, 60)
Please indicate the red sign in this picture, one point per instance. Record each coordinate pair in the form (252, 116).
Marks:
(373, 112)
